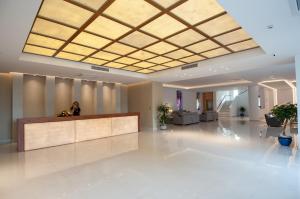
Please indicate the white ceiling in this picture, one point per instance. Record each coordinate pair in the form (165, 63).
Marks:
(255, 65)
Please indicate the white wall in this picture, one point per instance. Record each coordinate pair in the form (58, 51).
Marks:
(87, 98)
(63, 94)
(285, 95)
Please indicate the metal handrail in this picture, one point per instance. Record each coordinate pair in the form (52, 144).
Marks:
(224, 97)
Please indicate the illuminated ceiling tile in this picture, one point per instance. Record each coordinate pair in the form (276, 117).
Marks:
(218, 25)
(74, 48)
(44, 41)
(107, 28)
(138, 39)
(90, 40)
(203, 46)
(106, 55)
(243, 45)
(38, 50)
(194, 11)
(178, 54)
(52, 29)
(142, 55)
(131, 68)
(120, 49)
(70, 56)
(216, 53)
(186, 38)
(94, 61)
(232, 37)
(115, 65)
(161, 48)
(145, 71)
(174, 63)
(127, 60)
(158, 68)
(166, 3)
(163, 26)
(144, 64)
(94, 4)
(160, 60)
(133, 12)
(64, 12)
(193, 58)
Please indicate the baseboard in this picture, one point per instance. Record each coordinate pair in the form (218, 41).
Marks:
(5, 141)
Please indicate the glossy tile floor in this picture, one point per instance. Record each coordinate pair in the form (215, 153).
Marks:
(216, 160)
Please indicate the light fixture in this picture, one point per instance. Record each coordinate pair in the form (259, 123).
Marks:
(139, 36)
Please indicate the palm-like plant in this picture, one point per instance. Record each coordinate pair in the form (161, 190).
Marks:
(285, 113)
(163, 111)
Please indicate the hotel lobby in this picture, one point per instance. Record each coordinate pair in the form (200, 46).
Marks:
(149, 99)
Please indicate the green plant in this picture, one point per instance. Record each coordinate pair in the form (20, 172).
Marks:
(163, 111)
(285, 113)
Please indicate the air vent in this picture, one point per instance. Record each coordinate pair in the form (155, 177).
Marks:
(295, 7)
(100, 68)
(189, 66)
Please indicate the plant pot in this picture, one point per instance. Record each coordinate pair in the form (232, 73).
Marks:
(163, 127)
(285, 140)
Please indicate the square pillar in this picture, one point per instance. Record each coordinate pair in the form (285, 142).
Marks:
(17, 102)
(297, 68)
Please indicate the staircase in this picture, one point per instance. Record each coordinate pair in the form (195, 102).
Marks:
(225, 110)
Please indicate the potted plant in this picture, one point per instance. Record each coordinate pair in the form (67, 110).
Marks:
(163, 116)
(242, 111)
(285, 113)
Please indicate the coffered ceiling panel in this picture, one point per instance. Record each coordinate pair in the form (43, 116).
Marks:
(142, 36)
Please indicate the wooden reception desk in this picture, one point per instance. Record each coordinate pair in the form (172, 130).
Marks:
(36, 133)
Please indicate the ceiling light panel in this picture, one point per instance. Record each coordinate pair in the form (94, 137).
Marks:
(216, 53)
(93, 4)
(243, 45)
(93, 41)
(64, 12)
(133, 12)
(203, 46)
(145, 71)
(94, 61)
(174, 63)
(232, 37)
(179, 54)
(163, 26)
(218, 25)
(120, 49)
(160, 60)
(138, 39)
(44, 41)
(52, 29)
(158, 68)
(107, 28)
(144, 36)
(194, 11)
(142, 55)
(106, 55)
(38, 50)
(193, 58)
(69, 56)
(186, 38)
(77, 49)
(161, 48)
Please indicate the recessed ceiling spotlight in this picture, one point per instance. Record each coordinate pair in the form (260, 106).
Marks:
(269, 27)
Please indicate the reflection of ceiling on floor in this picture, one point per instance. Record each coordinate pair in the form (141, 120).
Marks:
(144, 36)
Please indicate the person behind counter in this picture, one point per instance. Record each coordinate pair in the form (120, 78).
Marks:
(75, 109)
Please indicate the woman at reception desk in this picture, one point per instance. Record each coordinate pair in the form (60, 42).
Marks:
(36, 133)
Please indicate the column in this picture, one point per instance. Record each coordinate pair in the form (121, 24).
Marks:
(117, 95)
(254, 110)
(76, 90)
(99, 97)
(50, 96)
(297, 68)
(17, 102)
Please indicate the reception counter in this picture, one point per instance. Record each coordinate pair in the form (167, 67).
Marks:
(36, 133)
